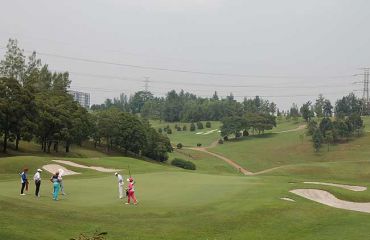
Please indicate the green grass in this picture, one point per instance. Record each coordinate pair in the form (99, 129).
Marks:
(204, 162)
(213, 202)
(270, 150)
(188, 138)
(182, 205)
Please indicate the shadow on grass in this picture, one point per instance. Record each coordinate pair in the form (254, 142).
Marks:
(252, 137)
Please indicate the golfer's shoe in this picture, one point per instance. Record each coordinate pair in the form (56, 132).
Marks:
(127, 203)
(23, 194)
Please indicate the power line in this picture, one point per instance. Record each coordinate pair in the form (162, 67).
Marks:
(88, 60)
(280, 86)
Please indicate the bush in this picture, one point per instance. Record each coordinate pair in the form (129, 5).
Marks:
(183, 164)
(220, 141)
(184, 128)
(178, 129)
(226, 138)
(238, 135)
(160, 130)
(200, 125)
(169, 131)
(192, 127)
(199, 144)
(179, 145)
(208, 124)
(176, 126)
(245, 133)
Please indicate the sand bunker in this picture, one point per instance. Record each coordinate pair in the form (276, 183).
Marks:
(209, 132)
(52, 168)
(348, 187)
(287, 199)
(99, 169)
(329, 199)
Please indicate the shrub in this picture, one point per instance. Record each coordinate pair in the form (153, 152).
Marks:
(184, 128)
(220, 141)
(238, 135)
(192, 127)
(208, 124)
(245, 133)
(199, 144)
(183, 164)
(226, 138)
(178, 128)
(200, 125)
(169, 131)
(160, 130)
(179, 145)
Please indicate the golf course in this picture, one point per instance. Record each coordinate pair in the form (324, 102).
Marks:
(215, 201)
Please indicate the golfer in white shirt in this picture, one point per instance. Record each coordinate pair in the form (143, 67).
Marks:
(120, 184)
(37, 179)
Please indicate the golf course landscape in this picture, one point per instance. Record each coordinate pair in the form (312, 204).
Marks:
(215, 201)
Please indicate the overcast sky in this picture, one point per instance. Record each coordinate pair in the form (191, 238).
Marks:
(285, 49)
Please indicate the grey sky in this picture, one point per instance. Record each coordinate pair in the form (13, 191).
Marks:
(314, 43)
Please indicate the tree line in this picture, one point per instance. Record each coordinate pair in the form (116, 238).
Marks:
(35, 105)
(187, 107)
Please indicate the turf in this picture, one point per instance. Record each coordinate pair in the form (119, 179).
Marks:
(189, 138)
(212, 202)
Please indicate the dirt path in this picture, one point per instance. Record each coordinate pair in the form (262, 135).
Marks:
(300, 127)
(227, 160)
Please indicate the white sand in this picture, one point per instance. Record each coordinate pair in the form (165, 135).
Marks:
(53, 168)
(99, 169)
(329, 199)
(348, 187)
(287, 199)
(199, 133)
(211, 131)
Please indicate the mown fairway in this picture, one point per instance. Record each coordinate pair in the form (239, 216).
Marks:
(213, 202)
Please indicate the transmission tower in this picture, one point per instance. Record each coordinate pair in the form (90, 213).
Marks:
(365, 92)
(146, 84)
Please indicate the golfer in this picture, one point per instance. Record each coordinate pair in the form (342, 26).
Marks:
(120, 184)
(37, 179)
(131, 191)
(24, 180)
(61, 173)
(56, 185)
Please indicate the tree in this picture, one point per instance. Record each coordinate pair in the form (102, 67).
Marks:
(17, 109)
(192, 127)
(319, 105)
(208, 124)
(306, 111)
(233, 125)
(139, 99)
(348, 105)
(325, 125)
(13, 65)
(311, 128)
(317, 140)
(200, 125)
(327, 108)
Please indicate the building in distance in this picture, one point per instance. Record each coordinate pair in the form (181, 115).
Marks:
(81, 97)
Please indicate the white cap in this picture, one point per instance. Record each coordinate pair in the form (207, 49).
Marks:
(39, 170)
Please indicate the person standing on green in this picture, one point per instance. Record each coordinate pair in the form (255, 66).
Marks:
(56, 185)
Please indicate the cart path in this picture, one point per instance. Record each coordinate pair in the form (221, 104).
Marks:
(227, 160)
